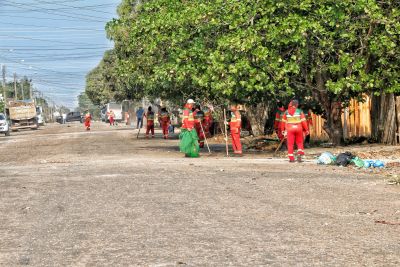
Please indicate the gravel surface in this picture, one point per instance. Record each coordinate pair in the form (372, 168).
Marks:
(104, 198)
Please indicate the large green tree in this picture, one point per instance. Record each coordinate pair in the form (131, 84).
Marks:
(324, 51)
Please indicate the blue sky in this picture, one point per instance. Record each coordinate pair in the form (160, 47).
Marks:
(54, 42)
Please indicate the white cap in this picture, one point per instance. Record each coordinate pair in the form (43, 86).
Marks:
(191, 101)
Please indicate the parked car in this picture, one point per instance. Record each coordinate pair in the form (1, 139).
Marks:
(59, 119)
(74, 116)
(4, 126)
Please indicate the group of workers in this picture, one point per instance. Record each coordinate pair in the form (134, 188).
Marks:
(163, 118)
(196, 126)
(291, 126)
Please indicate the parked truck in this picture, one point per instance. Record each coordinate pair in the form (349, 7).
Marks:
(22, 115)
(116, 108)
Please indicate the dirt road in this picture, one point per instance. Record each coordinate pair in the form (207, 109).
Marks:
(104, 198)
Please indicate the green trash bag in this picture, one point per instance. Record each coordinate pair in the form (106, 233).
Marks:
(189, 143)
(358, 162)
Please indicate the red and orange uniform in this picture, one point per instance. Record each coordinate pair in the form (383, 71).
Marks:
(88, 119)
(278, 122)
(165, 121)
(199, 125)
(208, 121)
(295, 125)
(235, 126)
(188, 118)
(150, 123)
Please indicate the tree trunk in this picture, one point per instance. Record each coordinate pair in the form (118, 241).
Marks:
(398, 119)
(384, 118)
(333, 124)
(257, 116)
(332, 109)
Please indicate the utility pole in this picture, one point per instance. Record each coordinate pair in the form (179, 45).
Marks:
(22, 90)
(15, 86)
(30, 90)
(3, 68)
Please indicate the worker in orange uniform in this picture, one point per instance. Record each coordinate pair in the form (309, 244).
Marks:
(307, 138)
(188, 136)
(150, 122)
(208, 121)
(88, 118)
(199, 124)
(278, 121)
(235, 126)
(111, 118)
(165, 121)
(294, 126)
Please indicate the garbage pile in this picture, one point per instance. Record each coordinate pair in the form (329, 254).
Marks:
(347, 158)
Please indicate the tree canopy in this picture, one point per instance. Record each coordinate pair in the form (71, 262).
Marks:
(325, 52)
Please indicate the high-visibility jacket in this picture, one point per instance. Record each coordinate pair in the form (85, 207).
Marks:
(298, 119)
(236, 120)
(164, 117)
(278, 118)
(188, 119)
(150, 117)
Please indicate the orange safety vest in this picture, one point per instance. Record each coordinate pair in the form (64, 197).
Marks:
(150, 116)
(164, 117)
(188, 119)
(295, 118)
(236, 120)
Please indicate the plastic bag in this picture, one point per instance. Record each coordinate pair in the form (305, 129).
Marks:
(358, 162)
(368, 163)
(326, 158)
(189, 143)
(343, 159)
(373, 163)
(379, 164)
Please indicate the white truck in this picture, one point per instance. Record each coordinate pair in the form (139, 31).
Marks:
(22, 115)
(116, 108)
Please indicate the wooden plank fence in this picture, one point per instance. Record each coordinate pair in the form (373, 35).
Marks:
(356, 121)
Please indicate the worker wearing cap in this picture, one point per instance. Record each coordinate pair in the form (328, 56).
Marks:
(150, 122)
(188, 137)
(235, 126)
(165, 121)
(294, 126)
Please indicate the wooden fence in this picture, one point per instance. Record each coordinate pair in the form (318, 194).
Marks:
(356, 121)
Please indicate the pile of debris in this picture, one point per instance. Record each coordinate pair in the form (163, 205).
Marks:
(347, 158)
(261, 143)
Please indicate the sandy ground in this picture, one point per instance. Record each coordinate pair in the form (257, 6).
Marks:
(104, 198)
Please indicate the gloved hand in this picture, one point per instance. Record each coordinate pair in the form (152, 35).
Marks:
(284, 133)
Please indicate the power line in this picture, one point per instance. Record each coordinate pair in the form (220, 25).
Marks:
(90, 8)
(58, 13)
(51, 27)
(55, 19)
(42, 40)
